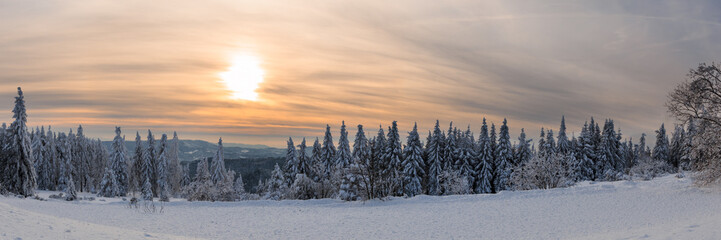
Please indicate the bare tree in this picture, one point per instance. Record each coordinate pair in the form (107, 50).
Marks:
(697, 101)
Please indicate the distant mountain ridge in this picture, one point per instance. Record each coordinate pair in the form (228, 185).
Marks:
(196, 149)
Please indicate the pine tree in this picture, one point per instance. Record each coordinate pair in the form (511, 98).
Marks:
(542, 143)
(119, 164)
(19, 171)
(276, 186)
(661, 150)
(607, 156)
(451, 146)
(137, 179)
(523, 149)
(47, 177)
(217, 166)
(316, 160)
(163, 190)
(677, 147)
(109, 185)
(377, 163)
(413, 164)
(65, 156)
(563, 144)
(148, 171)
(465, 160)
(304, 165)
(291, 163)
(503, 157)
(343, 155)
(393, 159)
(585, 167)
(484, 167)
(434, 150)
(239, 186)
(150, 160)
(38, 149)
(363, 162)
(175, 170)
(328, 153)
(550, 143)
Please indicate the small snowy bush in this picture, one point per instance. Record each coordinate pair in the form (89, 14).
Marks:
(648, 168)
(541, 172)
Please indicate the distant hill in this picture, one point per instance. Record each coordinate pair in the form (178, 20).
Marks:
(196, 149)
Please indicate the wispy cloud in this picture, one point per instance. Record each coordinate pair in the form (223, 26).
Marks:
(155, 64)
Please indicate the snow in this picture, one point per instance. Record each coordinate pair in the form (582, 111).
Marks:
(663, 208)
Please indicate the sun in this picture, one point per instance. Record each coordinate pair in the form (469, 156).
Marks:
(243, 77)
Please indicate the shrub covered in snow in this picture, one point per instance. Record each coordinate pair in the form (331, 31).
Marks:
(541, 172)
(648, 168)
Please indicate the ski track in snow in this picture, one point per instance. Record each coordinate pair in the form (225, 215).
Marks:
(664, 208)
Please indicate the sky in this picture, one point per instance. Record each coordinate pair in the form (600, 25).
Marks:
(159, 64)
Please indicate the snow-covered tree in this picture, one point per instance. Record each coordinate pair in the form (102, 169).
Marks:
(218, 173)
(136, 167)
(550, 147)
(304, 162)
(484, 167)
(148, 169)
(541, 172)
(393, 161)
(677, 147)
(175, 171)
(563, 143)
(413, 164)
(18, 161)
(343, 155)
(661, 150)
(362, 158)
(47, 173)
(118, 164)
(328, 153)
(239, 186)
(275, 186)
(150, 162)
(434, 150)
(162, 168)
(451, 146)
(523, 149)
(503, 158)
(65, 156)
(316, 161)
(109, 185)
(584, 169)
(291, 163)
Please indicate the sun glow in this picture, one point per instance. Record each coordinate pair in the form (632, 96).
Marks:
(243, 77)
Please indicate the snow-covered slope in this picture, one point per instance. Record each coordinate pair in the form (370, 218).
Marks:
(664, 208)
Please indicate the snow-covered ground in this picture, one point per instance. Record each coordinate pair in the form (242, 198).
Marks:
(664, 208)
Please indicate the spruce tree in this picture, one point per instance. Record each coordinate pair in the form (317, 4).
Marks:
(175, 169)
(451, 146)
(550, 143)
(65, 156)
(276, 187)
(563, 144)
(434, 150)
(343, 155)
(394, 159)
(304, 166)
(523, 149)
(484, 167)
(291, 162)
(328, 153)
(163, 190)
(217, 166)
(151, 161)
(542, 143)
(137, 179)
(585, 167)
(503, 158)
(19, 170)
(109, 184)
(413, 164)
(316, 160)
(661, 150)
(118, 163)
(677, 147)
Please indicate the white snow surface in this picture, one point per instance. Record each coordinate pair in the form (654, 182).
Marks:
(663, 208)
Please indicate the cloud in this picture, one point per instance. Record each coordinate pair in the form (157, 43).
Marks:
(147, 65)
